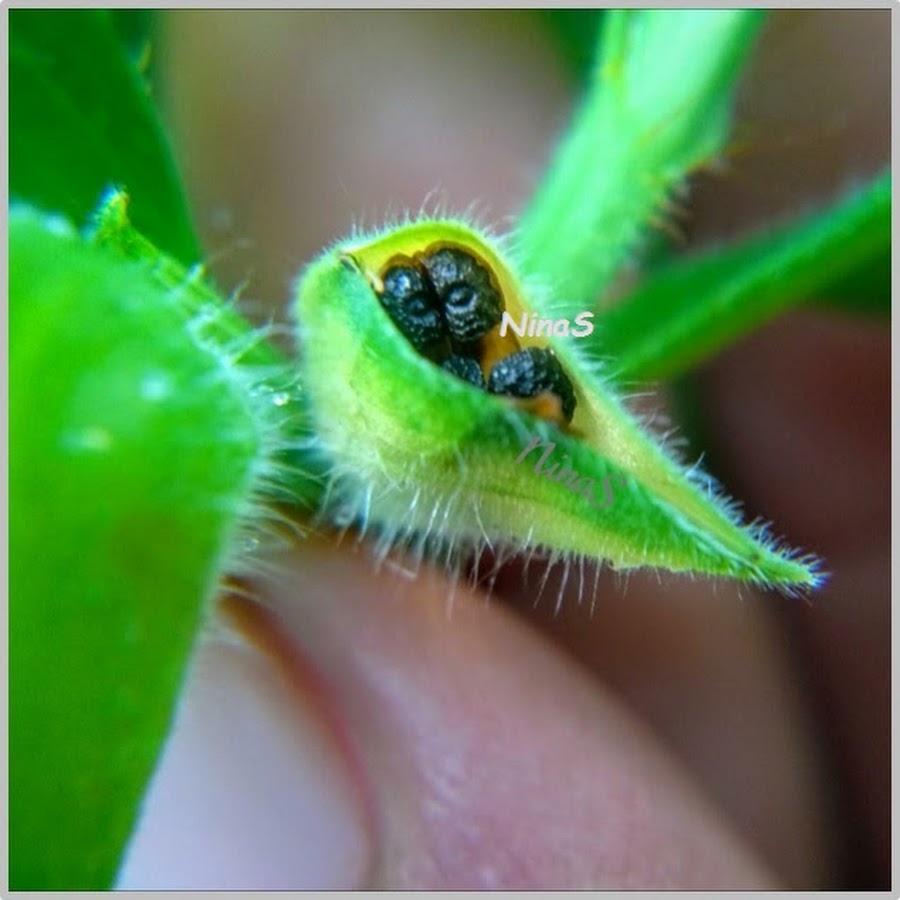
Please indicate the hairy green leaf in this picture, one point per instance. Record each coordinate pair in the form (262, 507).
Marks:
(659, 106)
(431, 461)
(136, 440)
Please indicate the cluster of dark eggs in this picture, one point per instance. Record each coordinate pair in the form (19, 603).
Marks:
(447, 306)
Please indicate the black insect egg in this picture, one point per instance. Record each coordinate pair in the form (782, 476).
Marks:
(531, 372)
(466, 368)
(472, 305)
(410, 300)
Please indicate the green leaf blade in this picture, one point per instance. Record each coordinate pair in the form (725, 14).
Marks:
(684, 314)
(134, 447)
(659, 107)
(81, 119)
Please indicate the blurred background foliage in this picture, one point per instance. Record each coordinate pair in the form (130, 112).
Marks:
(438, 95)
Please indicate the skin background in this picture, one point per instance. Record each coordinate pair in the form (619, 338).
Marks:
(361, 732)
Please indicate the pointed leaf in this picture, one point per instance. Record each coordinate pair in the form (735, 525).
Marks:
(659, 106)
(686, 313)
(433, 461)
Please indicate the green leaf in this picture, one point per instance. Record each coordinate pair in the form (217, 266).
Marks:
(690, 310)
(296, 477)
(81, 119)
(136, 443)
(575, 31)
(434, 463)
(135, 28)
(659, 107)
